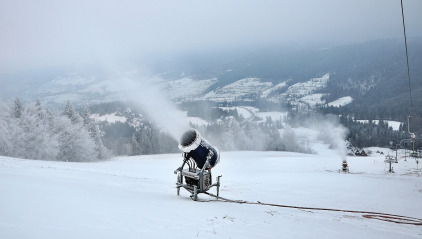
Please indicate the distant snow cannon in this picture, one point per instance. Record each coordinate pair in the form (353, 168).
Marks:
(344, 166)
(200, 157)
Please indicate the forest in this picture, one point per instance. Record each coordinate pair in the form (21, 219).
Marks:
(35, 132)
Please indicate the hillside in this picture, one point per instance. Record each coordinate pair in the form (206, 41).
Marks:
(134, 197)
(371, 72)
(367, 81)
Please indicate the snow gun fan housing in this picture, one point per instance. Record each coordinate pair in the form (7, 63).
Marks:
(198, 149)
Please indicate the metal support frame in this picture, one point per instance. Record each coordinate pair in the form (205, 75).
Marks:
(202, 176)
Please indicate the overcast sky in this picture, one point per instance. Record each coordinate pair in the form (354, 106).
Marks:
(43, 33)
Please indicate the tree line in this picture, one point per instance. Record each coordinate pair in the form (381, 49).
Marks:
(375, 134)
(34, 132)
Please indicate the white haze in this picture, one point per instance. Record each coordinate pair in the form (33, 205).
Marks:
(48, 33)
(330, 131)
(142, 91)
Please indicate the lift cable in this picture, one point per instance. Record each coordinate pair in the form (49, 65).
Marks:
(407, 59)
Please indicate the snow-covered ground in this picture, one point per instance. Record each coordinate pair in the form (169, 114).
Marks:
(274, 115)
(241, 89)
(308, 87)
(341, 101)
(250, 113)
(391, 123)
(313, 99)
(135, 197)
(192, 120)
(246, 112)
(185, 88)
(277, 87)
(110, 118)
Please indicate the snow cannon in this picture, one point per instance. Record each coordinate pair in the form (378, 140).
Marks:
(345, 166)
(199, 157)
(199, 149)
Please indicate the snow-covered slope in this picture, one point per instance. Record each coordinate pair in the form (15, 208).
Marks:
(110, 118)
(253, 113)
(83, 89)
(243, 89)
(186, 88)
(341, 101)
(135, 197)
(277, 87)
(313, 99)
(391, 123)
(308, 87)
(305, 93)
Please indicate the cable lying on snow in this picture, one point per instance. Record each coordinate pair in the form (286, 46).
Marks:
(366, 214)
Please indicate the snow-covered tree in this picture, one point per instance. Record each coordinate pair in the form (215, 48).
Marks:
(36, 133)
(274, 142)
(38, 141)
(95, 133)
(70, 113)
(86, 120)
(4, 131)
(74, 141)
(39, 109)
(17, 107)
(145, 140)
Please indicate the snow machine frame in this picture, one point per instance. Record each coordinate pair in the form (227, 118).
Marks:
(196, 180)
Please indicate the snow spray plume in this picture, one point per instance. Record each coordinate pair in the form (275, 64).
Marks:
(330, 131)
(144, 92)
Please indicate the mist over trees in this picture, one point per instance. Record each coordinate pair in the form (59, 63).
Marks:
(360, 134)
(32, 131)
(226, 130)
(228, 133)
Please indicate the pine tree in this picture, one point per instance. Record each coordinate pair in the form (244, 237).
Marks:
(75, 143)
(86, 120)
(4, 131)
(136, 149)
(146, 140)
(18, 107)
(95, 134)
(70, 113)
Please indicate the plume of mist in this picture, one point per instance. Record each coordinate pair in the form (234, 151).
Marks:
(142, 90)
(330, 131)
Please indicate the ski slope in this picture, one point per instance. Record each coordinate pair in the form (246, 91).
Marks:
(135, 197)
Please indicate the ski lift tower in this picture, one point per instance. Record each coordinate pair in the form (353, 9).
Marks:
(414, 153)
(395, 149)
(390, 159)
